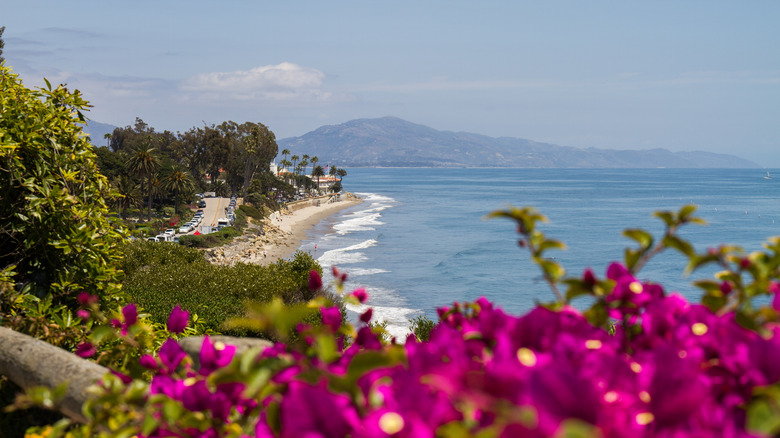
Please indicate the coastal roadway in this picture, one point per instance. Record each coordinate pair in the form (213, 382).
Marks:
(215, 209)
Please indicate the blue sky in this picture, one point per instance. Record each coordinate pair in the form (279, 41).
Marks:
(681, 75)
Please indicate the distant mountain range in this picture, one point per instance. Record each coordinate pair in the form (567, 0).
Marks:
(393, 142)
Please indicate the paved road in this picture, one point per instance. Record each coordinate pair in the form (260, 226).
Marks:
(215, 209)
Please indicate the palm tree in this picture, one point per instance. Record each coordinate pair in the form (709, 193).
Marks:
(178, 180)
(317, 172)
(144, 162)
(108, 138)
(341, 173)
(304, 162)
(333, 171)
(284, 164)
(155, 189)
(127, 195)
(295, 159)
(285, 153)
(220, 188)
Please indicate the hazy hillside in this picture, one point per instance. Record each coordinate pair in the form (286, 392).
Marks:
(392, 142)
(97, 131)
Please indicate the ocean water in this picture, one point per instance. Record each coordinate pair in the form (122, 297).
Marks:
(420, 240)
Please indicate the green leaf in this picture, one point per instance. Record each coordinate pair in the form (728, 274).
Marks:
(597, 314)
(632, 257)
(150, 425)
(679, 244)
(642, 237)
(763, 418)
(552, 269)
(667, 217)
(172, 410)
(573, 428)
(326, 348)
(551, 244)
(714, 301)
(686, 211)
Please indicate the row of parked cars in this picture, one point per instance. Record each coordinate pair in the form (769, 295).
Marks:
(169, 235)
(230, 215)
(193, 223)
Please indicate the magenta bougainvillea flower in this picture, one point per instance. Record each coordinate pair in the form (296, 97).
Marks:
(130, 312)
(214, 356)
(171, 354)
(666, 368)
(177, 321)
(366, 316)
(312, 410)
(315, 282)
(148, 361)
(331, 317)
(86, 349)
(360, 294)
(86, 300)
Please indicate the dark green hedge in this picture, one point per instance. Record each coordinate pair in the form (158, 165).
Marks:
(159, 276)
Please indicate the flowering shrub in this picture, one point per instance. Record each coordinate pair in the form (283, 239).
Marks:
(639, 362)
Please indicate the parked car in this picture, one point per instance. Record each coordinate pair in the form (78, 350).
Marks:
(223, 222)
(186, 228)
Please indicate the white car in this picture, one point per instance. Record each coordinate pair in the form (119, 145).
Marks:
(185, 228)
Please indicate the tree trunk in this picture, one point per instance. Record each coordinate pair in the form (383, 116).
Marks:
(141, 207)
(149, 207)
(29, 362)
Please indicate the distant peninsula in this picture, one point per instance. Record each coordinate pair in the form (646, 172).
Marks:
(393, 142)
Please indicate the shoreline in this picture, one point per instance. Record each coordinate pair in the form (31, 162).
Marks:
(285, 230)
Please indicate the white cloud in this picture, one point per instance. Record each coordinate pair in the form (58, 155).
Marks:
(282, 82)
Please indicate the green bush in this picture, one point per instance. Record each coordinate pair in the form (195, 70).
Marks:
(57, 239)
(421, 326)
(228, 233)
(159, 276)
(191, 241)
(251, 211)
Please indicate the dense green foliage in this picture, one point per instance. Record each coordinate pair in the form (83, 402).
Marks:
(234, 152)
(54, 234)
(421, 327)
(160, 276)
(251, 211)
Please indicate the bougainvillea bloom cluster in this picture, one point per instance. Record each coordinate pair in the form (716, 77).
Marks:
(667, 368)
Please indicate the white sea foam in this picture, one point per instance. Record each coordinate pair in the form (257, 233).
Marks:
(359, 272)
(366, 222)
(373, 197)
(392, 311)
(347, 255)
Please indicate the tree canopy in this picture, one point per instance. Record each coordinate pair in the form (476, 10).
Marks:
(55, 237)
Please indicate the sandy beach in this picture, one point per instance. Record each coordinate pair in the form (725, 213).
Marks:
(283, 232)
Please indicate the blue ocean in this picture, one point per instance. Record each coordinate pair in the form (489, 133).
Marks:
(420, 239)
